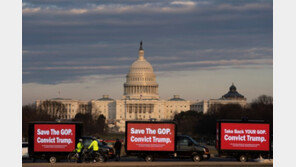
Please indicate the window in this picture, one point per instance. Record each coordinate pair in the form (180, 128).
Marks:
(184, 142)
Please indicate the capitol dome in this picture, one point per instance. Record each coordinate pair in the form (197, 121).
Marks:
(141, 80)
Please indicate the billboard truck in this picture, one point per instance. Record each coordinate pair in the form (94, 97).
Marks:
(243, 139)
(151, 139)
(53, 140)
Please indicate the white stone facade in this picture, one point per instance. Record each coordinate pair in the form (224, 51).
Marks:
(232, 97)
(72, 107)
(204, 105)
(147, 110)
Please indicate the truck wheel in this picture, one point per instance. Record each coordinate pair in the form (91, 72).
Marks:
(149, 158)
(52, 159)
(243, 158)
(196, 158)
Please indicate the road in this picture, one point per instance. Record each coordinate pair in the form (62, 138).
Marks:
(134, 162)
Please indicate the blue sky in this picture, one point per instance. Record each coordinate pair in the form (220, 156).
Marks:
(84, 48)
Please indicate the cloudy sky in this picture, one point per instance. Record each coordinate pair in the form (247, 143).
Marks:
(83, 48)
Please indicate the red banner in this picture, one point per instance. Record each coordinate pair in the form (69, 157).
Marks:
(54, 137)
(244, 136)
(151, 136)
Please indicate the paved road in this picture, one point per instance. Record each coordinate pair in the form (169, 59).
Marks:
(133, 162)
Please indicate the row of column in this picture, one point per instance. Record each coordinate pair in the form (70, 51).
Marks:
(140, 89)
(140, 108)
(140, 79)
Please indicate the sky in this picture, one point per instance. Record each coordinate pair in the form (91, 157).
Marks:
(83, 49)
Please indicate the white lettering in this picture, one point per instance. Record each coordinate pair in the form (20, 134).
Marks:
(164, 131)
(66, 131)
(140, 139)
(42, 132)
(235, 138)
(137, 131)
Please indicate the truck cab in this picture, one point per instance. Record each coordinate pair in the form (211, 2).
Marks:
(188, 148)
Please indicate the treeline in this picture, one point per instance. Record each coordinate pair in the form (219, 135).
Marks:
(93, 125)
(30, 114)
(203, 126)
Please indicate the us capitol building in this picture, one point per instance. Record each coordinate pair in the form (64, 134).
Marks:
(140, 100)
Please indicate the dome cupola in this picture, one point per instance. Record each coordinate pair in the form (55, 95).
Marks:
(141, 80)
(232, 94)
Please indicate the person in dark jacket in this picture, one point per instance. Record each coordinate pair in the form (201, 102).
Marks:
(117, 147)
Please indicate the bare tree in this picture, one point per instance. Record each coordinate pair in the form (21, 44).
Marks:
(53, 108)
(29, 114)
(263, 99)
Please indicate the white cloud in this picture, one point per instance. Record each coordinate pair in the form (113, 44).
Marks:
(31, 10)
(155, 7)
(77, 68)
(186, 3)
(231, 62)
(244, 7)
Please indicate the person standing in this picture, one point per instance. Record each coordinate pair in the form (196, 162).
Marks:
(117, 147)
(79, 148)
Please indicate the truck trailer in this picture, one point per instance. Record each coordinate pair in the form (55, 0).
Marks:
(243, 139)
(151, 139)
(53, 140)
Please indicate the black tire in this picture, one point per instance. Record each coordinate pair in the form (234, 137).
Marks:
(196, 158)
(148, 158)
(52, 159)
(72, 157)
(84, 158)
(100, 159)
(243, 158)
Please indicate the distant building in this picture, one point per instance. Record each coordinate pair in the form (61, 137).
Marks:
(67, 110)
(231, 97)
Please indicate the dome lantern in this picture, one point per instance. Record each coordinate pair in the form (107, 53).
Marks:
(141, 46)
(141, 52)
